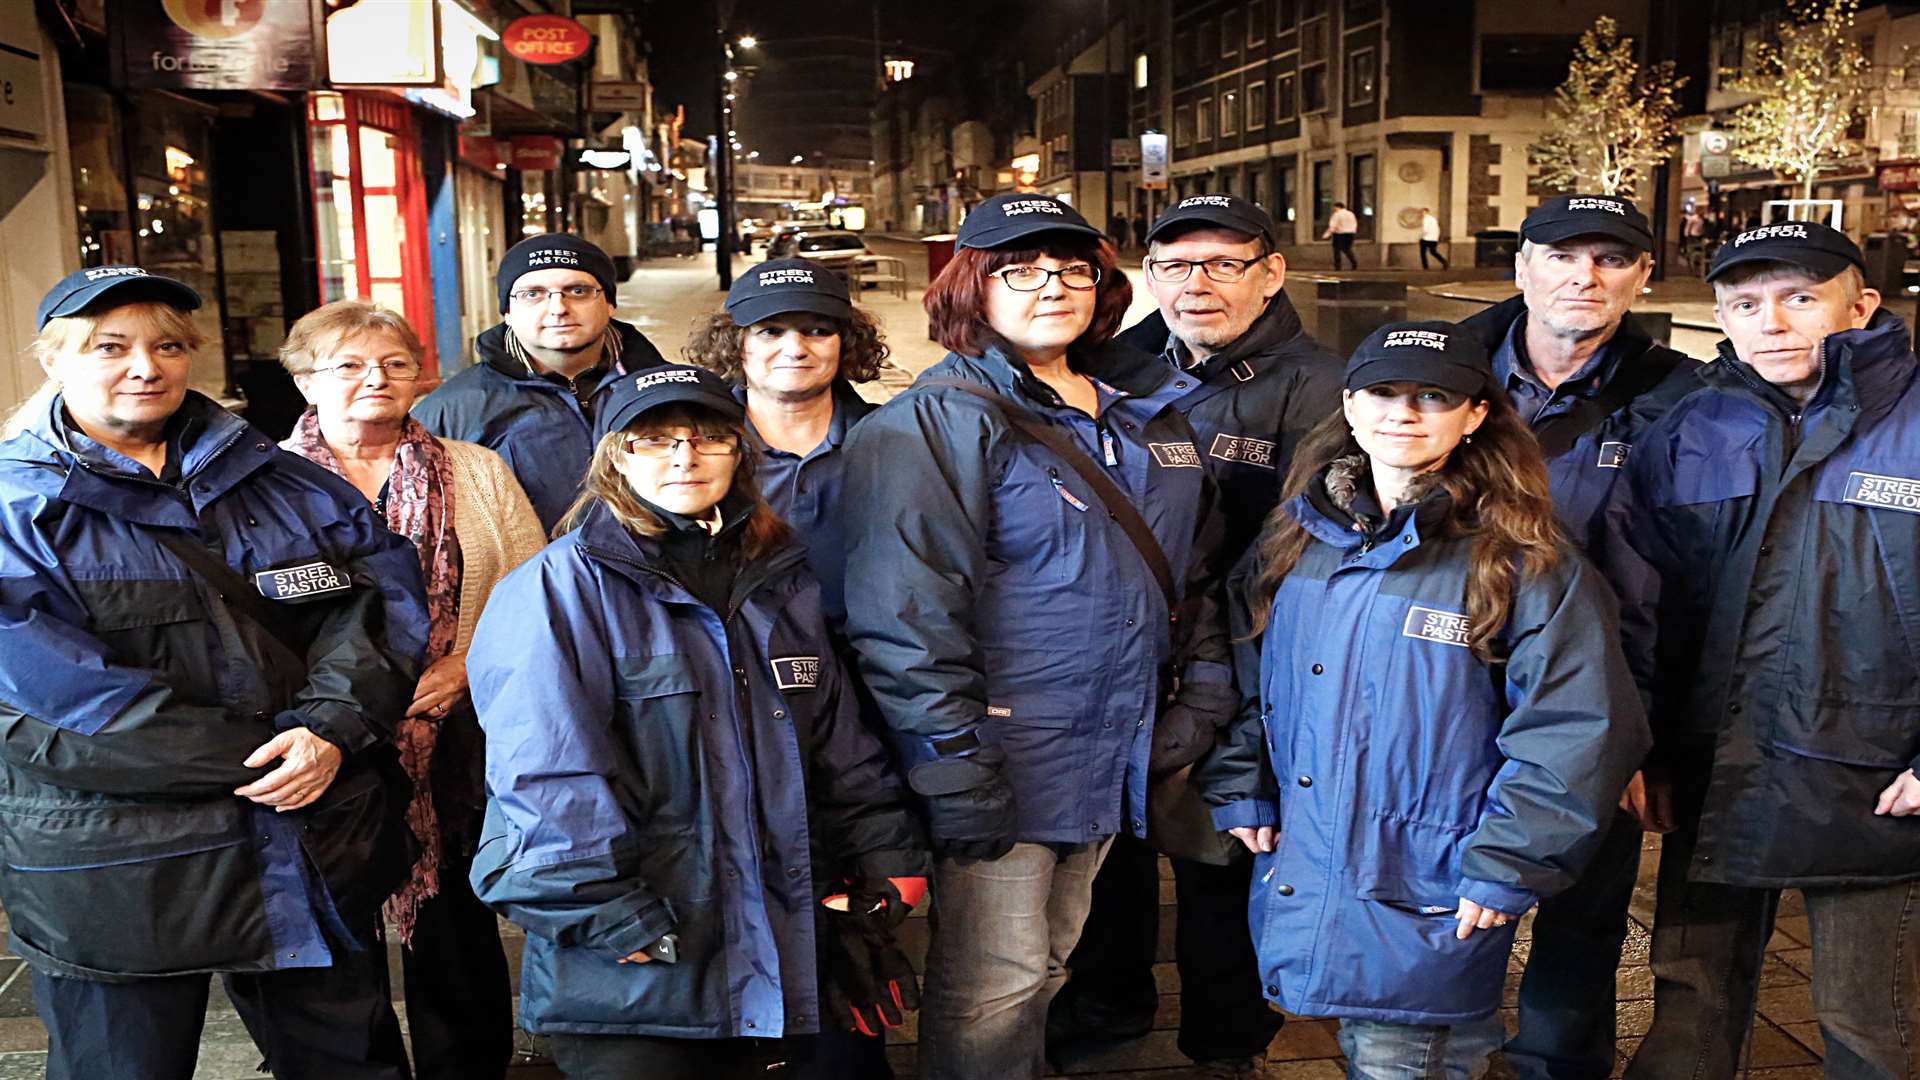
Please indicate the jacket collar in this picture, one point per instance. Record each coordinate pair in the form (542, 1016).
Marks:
(642, 560)
(848, 408)
(491, 346)
(1339, 508)
(1278, 326)
(1868, 368)
(1133, 373)
(1500, 322)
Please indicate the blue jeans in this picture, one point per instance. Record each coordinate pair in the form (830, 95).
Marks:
(1567, 995)
(1002, 932)
(1377, 1050)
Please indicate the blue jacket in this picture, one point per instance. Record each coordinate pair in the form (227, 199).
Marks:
(131, 691)
(654, 767)
(1782, 625)
(537, 424)
(1404, 773)
(994, 598)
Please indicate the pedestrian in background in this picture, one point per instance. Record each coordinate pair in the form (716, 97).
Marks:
(208, 643)
(358, 366)
(1140, 228)
(709, 852)
(534, 391)
(1430, 239)
(1342, 227)
(1439, 715)
(1024, 522)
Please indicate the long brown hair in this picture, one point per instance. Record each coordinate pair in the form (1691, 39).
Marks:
(765, 532)
(1498, 483)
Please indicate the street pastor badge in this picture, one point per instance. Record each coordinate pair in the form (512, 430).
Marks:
(1430, 624)
(796, 672)
(1883, 492)
(293, 584)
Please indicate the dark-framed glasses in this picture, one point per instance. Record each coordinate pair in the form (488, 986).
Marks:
(1224, 271)
(1034, 278)
(355, 370)
(535, 296)
(665, 446)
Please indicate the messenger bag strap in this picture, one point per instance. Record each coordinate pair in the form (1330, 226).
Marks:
(236, 591)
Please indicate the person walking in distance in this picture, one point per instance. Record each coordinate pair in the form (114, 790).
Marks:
(1342, 227)
(1430, 239)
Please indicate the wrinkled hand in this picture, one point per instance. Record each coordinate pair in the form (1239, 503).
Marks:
(308, 764)
(441, 687)
(1902, 797)
(1650, 802)
(1474, 917)
(1259, 840)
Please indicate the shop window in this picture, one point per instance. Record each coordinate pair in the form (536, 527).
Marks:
(1322, 192)
(1285, 200)
(1362, 178)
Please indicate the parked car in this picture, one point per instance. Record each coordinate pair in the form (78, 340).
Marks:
(837, 248)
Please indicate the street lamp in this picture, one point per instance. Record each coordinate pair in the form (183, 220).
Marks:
(748, 41)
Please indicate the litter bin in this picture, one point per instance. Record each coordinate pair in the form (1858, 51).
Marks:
(1346, 311)
(939, 253)
(1495, 248)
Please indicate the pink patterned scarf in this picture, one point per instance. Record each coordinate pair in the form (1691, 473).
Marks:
(420, 508)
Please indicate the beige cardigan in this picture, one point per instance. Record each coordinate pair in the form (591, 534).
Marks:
(495, 525)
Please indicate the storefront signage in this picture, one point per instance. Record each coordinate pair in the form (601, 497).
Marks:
(619, 96)
(545, 39)
(535, 153)
(23, 104)
(213, 44)
(385, 44)
(482, 152)
(1899, 176)
(1153, 161)
(1716, 154)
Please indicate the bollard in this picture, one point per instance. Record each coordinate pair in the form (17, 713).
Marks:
(1349, 310)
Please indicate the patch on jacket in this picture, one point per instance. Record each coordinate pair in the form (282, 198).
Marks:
(1613, 455)
(1883, 492)
(1244, 449)
(999, 711)
(796, 672)
(301, 582)
(1175, 455)
(1432, 624)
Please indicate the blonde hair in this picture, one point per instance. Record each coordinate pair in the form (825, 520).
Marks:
(1852, 282)
(322, 331)
(71, 333)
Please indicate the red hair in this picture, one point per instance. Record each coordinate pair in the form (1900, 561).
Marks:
(956, 301)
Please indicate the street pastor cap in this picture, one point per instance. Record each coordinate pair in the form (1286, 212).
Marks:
(1429, 353)
(1217, 212)
(554, 251)
(1566, 216)
(667, 384)
(1004, 219)
(82, 289)
(1818, 249)
(780, 286)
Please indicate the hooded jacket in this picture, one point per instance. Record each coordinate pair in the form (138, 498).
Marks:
(657, 766)
(995, 599)
(1404, 772)
(1781, 623)
(1250, 405)
(131, 690)
(537, 424)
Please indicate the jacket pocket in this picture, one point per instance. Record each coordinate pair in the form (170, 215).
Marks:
(573, 988)
(135, 889)
(1410, 864)
(661, 711)
(1869, 735)
(158, 623)
(357, 836)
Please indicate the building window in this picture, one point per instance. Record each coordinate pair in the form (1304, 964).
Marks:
(1203, 120)
(1230, 113)
(1312, 9)
(1285, 201)
(1322, 192)
(1140, 71)
(1256, 21)
(1286, 104)
(1229, 36)
(1182, 55)
(1362, 73)
(1286, 15)
(1360, 12)
(1313, 41)
(1525, 62)
(1203, 39)
(1257, 104)
(1183, 127)
(1313, 91)
(1362, 179)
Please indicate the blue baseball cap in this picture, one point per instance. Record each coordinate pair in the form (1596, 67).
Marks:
(667, 384)
(1428, 353)
(780, 286)
(1003, 219)
(1818, 249)
(83, 289)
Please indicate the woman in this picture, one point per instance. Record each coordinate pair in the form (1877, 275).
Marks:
(677, 772)
(207, 643)
(1013, 630)
(358, 366)
(1440, 690)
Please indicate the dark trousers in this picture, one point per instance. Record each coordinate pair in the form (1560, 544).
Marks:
(1343, 245)
(633, 1057)
(310, 1023)
(459, 998)
(1567, 994)
(1222, 1011)
(1432, 247)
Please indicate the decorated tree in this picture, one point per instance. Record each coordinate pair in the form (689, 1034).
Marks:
(1611, 121)
(1809, 86)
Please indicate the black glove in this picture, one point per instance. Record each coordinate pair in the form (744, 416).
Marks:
(1186, 729)
(969, 803)
(866, 982)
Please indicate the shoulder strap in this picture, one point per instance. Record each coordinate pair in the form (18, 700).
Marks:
(1119, 507)
(1636, 376)
(236, 591)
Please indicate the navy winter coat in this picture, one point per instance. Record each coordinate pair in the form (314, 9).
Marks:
(1404, 773)
(655, 766)
(131, 691)
(536, 424)
(993, 597)
(1787, 634)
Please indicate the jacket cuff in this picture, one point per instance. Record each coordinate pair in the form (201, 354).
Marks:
(914, 749)
(1505, 899)
(1207, 672)
(1245, 814)
(898, 862)
(339, 724)
(647, 926)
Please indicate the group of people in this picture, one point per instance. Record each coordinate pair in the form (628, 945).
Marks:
(707, 674)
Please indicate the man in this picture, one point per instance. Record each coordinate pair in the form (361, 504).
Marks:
(533, 395)
(1258, 385)
(1778, 505)
(1430, 239)
(1589, 381)
(1342, 226)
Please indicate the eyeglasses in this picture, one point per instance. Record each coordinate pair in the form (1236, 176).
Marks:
(536, 297)
(356, 370)
(1080, 276)
(665, 446)
(1224, 271)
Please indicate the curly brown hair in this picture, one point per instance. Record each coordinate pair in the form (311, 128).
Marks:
(714, 344)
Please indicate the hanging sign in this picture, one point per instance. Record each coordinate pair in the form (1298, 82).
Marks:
(1153, 161)
(545, 39)
(213, 45)
(535, 153)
